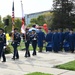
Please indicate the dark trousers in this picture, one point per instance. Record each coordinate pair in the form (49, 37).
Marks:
(27, 54)
(56, 47)
(34, 45)
(71, 46)
(2, 53)
(15, 54)
(61, 46)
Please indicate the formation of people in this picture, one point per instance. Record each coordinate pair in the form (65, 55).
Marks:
(56, 40)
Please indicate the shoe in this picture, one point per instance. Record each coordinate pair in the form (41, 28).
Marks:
(40, 51)
(13, 58)
(17, 58)
(33, 54)
(3, 61)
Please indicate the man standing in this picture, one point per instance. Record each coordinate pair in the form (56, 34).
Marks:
(40, 39)
(71, 40)
(56, 42)
(49, 36)
(15, 43)
(34, 41)
(27, 42)
(2, 44)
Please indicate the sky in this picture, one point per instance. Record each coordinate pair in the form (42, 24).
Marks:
(29, 6)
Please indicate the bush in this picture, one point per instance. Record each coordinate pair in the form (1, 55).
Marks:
(8, 50)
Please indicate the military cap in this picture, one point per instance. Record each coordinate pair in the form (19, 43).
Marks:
(27, 29)
(34, 26)
(2, 29)
(33, 30)
(15, 28)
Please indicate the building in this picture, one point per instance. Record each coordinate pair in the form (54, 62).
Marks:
(28, 17)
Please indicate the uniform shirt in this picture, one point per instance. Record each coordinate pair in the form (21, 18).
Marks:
(17, 37)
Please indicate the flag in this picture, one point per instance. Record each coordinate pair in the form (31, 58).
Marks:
(23, 20)
(13, 21)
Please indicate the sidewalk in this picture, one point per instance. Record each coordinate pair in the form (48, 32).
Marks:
(43, 62)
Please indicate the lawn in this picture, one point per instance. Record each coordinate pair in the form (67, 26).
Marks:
(22, 46)
(67, 66)
(38, 73)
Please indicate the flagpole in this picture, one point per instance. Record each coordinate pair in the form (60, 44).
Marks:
(13, 21)
(23, 21)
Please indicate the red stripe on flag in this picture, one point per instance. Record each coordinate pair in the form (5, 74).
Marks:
(23, 20)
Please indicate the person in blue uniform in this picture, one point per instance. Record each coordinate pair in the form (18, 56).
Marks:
(49, 40)
(2, 44)
(41, 39)
(61, 38)
(55, 40)
(49, 36)
(66, 33)
(34, 41)
(16, 43)
(71, 40)
(27, 42)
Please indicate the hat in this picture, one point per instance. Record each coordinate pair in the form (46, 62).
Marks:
(33, 30)
(15, 28)
(34, 26)
(49, 29)
(27, 29)
(2, 29)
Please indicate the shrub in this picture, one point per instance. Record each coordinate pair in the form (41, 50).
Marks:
(8, 50)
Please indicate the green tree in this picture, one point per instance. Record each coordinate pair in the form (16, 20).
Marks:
(18, 23)
(1, 23)
(34, 21)
(41, 20)
(48, 18)
(8, 28)
(61, 16)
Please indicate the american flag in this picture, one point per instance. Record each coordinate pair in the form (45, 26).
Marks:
(23, 20)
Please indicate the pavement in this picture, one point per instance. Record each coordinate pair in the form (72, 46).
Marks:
(42, 62)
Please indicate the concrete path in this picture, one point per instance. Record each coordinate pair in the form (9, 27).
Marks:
(43, 62)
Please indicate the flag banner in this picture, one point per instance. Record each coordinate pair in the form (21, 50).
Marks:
(23, 20)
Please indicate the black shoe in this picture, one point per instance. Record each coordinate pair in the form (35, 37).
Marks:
(33, 54)
(17, 58)
(29, 56)
(40, 51)
(3, 61)
(13, 58)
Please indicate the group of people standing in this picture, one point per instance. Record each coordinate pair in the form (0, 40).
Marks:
(60, 40)
(56, 38)
(34, 38)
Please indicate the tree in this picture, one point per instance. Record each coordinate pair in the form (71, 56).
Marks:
(8, 28)
(41, 20)
(62, 13)
(18, 23)
(1, 23)
(34, 20)
(48, 18)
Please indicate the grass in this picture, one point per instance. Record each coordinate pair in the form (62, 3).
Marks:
(22, 46)
(67, 66)
(38, 73)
